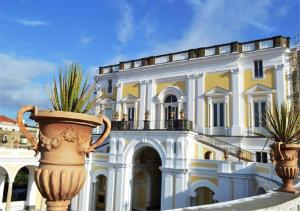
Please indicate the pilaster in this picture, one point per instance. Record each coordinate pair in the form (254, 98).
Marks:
(280, 84)
(200, 103)
(150, 105)
(143, 89)
(119, 97)
(31, 192)
(166, 190)
(237, 102)
(191, 98)
(110, 193)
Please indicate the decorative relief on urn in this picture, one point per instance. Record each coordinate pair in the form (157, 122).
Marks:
(68, 134)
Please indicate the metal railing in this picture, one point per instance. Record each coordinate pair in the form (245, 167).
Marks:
(225, 147)
(152, 125)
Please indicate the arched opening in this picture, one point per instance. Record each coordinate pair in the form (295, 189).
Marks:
(3, 183)
(171, 108)
(101, 187)
(20, 186)
(207, 155)
(203, 196)
(260, 191)
(146, 183)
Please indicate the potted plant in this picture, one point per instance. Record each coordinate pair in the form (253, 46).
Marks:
(64, 138)
(283, 127)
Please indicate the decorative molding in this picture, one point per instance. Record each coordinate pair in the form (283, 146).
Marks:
(217, 91)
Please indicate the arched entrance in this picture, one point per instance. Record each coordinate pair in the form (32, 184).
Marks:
(100, 192)
(146, 182)
(203, 196)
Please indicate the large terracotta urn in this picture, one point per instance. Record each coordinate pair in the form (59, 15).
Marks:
(286, 167)
(64, 141)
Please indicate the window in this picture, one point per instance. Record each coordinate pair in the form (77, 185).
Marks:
(259, 113)
(218, 114)
(109, 88)
(210, 51)
(248, 47)
(225, 49)
(266, 44)
(258, 69)
(261, 157)
(131, 114)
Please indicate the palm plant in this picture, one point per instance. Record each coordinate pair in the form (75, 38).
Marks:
(71, 93)
(283, 124)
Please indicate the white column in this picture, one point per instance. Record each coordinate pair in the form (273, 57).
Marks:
(237, 102)
(2, 182)
(85, 193)
(250, 114)
(141, 116)
(200, 100)
(31, 191)
(180, 190)
(210, 117)
(119, 194)
(280, 84)
(74, 203)
(150, 105)
(161, 113)
(9, 195)
(119, 97)
(166, 190)
(94, 195)
(191, 98)
(110, 193)
(227, 115)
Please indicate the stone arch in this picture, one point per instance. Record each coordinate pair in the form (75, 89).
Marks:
(174, 90)
(194, 186)
(208, 155)
(261, 190)
(137, 144)
(99, 173)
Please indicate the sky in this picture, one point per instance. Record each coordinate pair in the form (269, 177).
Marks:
(37, 38)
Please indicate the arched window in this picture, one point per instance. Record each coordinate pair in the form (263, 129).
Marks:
(171, 99)
(207, 155)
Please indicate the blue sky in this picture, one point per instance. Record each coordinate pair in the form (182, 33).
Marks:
(39, 37)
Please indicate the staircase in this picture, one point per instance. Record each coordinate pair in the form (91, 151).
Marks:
(223, 146)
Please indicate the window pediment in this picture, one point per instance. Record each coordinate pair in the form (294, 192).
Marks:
(259, 89)
(217, 91)
(129, 98)
(105, 101)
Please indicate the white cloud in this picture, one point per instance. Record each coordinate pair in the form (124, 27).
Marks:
(215, 22)
(125, 26)
(21, 81)
(85, 40)
(32, 23)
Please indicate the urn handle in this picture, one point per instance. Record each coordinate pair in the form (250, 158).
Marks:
(107, 129)
(278, 150)
(32, 110)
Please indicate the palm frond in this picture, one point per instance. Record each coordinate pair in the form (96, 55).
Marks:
(71, 93)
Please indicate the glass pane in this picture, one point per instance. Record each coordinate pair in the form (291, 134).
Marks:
(261, 72)
(264, 157)
(221, 114)
(263, 113)
(256, 115)
(258, 157)
(215, 114)
(255, 69)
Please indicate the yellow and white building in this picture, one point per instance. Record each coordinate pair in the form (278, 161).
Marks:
(196, 144)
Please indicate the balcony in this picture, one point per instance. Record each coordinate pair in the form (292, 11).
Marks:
(179, 124)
